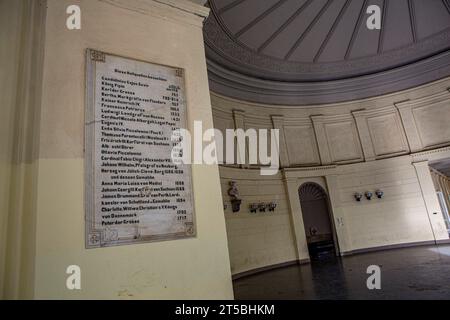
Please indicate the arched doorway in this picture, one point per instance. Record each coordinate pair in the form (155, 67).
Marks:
(319, 228)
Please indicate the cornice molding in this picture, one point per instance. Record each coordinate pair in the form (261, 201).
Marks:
(238, 69)
(223, 49)
(246, 88)
(197, 9)
(443, 96)
(179, 10)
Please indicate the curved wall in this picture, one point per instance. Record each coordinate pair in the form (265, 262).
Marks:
(257, 239)
(377, 143)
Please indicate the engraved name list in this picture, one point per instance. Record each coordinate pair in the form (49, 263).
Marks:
(134, 192)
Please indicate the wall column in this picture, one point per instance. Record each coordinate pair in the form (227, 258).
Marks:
(321, 137)
(409, 124)
(338, 214)
(278, 124)
(297, 219)
(364, 135)
(23, 26)
(196, 268)
(239, 123)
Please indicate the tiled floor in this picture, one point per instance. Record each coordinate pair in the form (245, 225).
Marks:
(410, 273)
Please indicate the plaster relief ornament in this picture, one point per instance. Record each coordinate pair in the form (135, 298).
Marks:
(233, 192)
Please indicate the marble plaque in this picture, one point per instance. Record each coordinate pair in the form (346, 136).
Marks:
(134, 192)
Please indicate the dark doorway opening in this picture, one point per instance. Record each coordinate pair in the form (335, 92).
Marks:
(319, 229)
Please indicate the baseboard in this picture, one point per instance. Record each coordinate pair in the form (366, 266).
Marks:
(343, 254)
(267, 268)
(395, 246)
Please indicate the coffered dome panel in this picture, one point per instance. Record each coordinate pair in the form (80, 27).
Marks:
(290, 50)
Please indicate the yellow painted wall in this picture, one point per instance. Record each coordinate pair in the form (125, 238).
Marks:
(192, 269)
(9, 51)
(50, 229)
(183, 269)
(21, 53)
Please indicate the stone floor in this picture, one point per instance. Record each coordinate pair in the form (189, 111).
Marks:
(409, 273)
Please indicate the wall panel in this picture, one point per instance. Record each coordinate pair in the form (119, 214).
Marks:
(301, 145)
(259, 239)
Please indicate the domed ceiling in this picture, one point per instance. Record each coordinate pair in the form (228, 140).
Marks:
(298, 52)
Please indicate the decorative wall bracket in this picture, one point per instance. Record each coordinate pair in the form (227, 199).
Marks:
(271, 206)
(233, 192)
(236, 205)
(379, 193)
(368, 194)
(262, 207)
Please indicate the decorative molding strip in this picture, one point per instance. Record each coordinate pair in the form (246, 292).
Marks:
(258, 90)
(301, 172)
(237, 173)
(224, 103)
(427, 100)
(267, 268)
(224, 49)
(310, 168)
(375, 112)
(395, 246)
(181, 10)
(290, 174)
(421, 154)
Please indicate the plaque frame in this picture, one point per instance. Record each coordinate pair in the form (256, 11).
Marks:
(95, 238)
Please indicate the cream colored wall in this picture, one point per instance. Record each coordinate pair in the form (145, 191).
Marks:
(378, 143)
(399, 217)
(10, 19)
(164, 32)
(21, 57)
(261, 238)
(265, 239)
(404, 215)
